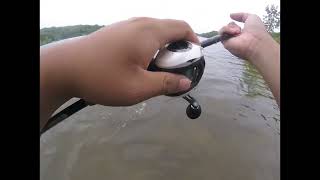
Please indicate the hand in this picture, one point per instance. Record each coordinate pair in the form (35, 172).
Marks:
(108, 67)
(245, 43)
(114, 71)
(256, 45)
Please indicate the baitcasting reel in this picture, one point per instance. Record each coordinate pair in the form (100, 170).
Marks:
(186, 58)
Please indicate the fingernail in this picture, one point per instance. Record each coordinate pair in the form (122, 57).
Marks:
(184, 84)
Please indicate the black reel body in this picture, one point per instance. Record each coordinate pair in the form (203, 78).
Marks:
(193, 71)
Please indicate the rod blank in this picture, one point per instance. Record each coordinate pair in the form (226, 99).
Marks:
(214, 39)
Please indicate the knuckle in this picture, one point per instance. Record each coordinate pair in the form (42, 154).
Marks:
(183, 22)
(139, 19)
(143, 21)
(185, 25)
(143, 24)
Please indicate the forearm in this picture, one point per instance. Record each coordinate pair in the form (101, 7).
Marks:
(266, 58)
(56, 76)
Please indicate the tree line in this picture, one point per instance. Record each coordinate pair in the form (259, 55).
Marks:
(48, 35)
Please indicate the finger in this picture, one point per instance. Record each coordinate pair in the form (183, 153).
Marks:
(162, 83)
(172, 30)
(241, 17)
(232, 29)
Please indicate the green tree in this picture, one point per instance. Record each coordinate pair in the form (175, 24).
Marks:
(48, 35)
(272, 19)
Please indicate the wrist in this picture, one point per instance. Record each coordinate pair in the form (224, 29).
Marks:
(263, 49)
(57, 72)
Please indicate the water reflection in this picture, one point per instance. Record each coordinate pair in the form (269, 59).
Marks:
(252, 82)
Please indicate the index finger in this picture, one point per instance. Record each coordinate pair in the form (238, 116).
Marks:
(173, 30)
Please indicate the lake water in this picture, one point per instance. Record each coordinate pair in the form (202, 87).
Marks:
(237, 136)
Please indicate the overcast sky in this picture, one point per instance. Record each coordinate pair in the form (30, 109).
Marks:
(202, 15)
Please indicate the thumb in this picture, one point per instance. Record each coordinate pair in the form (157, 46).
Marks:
(232, 29)
(162, 83)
